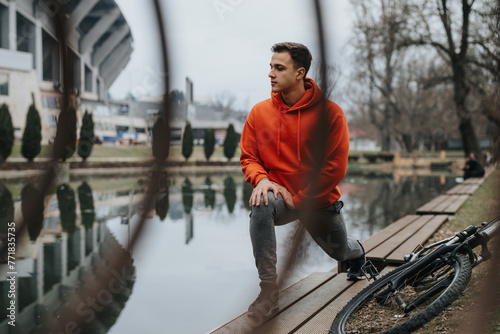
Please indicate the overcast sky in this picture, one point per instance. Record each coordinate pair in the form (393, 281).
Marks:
(223, 46)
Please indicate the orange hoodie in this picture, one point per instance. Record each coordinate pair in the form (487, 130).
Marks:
(277, 141)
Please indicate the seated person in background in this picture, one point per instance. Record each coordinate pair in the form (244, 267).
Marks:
(473, 167)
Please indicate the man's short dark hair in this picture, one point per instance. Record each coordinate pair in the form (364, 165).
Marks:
(300, 54)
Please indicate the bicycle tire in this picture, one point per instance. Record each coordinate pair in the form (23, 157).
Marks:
(450, 277)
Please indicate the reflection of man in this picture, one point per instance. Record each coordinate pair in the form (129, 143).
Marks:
(277, 159)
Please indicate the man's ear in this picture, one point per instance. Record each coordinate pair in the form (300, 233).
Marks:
(301, 73)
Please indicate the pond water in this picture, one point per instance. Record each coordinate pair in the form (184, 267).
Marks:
(193, 266)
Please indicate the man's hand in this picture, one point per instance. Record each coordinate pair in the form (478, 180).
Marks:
(261, 189)
(287, 196)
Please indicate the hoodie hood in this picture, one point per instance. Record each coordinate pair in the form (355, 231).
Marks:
(312, 96)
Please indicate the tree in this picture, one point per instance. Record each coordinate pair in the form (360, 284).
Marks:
(230, 142)
(224, 103)
(6, 133)
(86, 136)
(487, 58)
(187, 141)
(161, 139)
(452, 43)
(209, 143)
(32, 135)
(378, 28)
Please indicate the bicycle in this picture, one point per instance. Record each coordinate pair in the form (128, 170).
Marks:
(432, 278)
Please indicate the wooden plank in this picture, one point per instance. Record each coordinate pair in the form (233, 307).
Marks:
(300, 312)
(419, 238)
(380, 237)
(429, 207)
(242, 324)
(382, 251)
(474, 180)
(441, 207)
(472, 188)
(321, 322)
(456, 189)
(387, 232)
(463, 189)
(456, 204)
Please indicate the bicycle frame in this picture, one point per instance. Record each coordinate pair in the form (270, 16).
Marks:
(464, 241)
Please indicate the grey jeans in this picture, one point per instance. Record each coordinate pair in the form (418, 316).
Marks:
(326, 226)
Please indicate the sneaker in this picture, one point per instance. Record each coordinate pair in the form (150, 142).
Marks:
(355, 272)
(266, 303)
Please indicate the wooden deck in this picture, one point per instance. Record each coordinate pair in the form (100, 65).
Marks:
(453, 199)
(310, 305)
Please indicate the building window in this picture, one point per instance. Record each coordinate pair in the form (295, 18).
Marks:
(50, 58)
(4, 27)
(4, 84)
(88, 79)
(52, 120)
(26, 36)
(51, 102)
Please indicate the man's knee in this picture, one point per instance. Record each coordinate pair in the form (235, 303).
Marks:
(270, 208)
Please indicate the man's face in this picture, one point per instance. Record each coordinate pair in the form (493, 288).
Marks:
(283, 75)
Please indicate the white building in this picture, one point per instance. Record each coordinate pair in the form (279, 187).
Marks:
(100, 43)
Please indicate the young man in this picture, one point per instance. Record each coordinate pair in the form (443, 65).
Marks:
(278, 143)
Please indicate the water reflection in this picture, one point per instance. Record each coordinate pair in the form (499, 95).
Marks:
(230, 193)
(86, 205)
(59, 256)
(35, 225)
(209, 194)
(67, 208)
(162, 204)
(6, 210)
(187, 196)
(247, 192)
(203, 217)
(374, 201)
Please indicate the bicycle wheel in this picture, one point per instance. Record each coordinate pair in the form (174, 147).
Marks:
(418, 298)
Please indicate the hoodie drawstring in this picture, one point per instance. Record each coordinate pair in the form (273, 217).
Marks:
(298, 138)
(278, 148)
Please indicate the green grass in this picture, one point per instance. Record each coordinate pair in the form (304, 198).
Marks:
(16, 151)
(132, 151)
(483, 205)
(142, 151)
